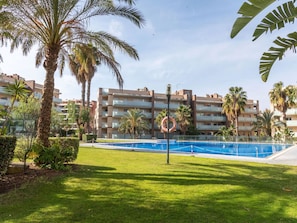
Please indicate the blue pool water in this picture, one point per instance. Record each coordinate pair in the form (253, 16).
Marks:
(260, 150)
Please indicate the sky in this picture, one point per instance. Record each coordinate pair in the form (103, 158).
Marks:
(185, 43)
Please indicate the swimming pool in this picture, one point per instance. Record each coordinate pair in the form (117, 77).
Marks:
(260, 150)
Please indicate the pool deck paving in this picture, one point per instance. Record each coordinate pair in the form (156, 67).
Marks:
(285, 157)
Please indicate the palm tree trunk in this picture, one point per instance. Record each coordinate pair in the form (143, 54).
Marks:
(88, 102)
(83, 94)
(44, 121)
(88, 93)
(236, 125)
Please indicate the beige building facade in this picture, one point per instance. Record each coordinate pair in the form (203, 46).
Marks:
(207, 116)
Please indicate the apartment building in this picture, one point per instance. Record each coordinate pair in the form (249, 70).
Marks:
(64, 112)
(36, 89)
(291, 119)
(112, 104)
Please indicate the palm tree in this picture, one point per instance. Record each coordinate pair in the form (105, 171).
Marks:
(282, 98)
(233, 105)
(226, 132)
(56, 25)
(265, 123)
(84, 64)
(183, 117)
(79, 75)
(276, 19)
(86, 58)
(133, 123)
(17, 91)
(159, 119)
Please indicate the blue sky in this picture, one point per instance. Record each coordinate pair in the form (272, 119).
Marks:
(185, 43)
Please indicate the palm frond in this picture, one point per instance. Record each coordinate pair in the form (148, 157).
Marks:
(248, 11)
(276, 19)
(269, 58)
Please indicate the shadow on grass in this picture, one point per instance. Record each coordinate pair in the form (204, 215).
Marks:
(215, 192)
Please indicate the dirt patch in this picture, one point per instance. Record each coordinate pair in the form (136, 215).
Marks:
(18, 177)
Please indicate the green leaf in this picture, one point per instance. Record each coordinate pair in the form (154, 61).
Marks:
(249, 10)
(269, 58)
(276, 19)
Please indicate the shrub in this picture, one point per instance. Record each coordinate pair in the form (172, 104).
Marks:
(61, 151)
(23, 149)
(89, 137)
(7, 146)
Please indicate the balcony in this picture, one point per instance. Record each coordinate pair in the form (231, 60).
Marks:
(209, 127)
(211, 118)
(292, 123)
(250, 111)
(245, 128)
(209, 109)
(247, 119)
(135, 104)
(104, 103)
(4, 102)
(161, 106)
(3, 90)
(118, 114)
(292, 111)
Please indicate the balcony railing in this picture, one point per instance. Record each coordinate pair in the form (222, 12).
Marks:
(292, 123)
(209, 127)
(136, 104)
(209, 108)
(210, 118)
(247, 119)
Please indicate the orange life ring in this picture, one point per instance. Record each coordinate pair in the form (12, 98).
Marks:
(164, 124)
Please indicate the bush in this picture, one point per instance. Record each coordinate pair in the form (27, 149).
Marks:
(89, 137)
(23, 149)
(61, 151)
(7, 146)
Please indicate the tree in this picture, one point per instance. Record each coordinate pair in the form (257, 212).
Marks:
(133, 123)
(264, 123)
(276, 19)
(159, 119)
(27, 111)
(56, 26)
(282, 98)
(17, 91)
(183, 117)
(226, 132)
(233, 104)
(84, 62)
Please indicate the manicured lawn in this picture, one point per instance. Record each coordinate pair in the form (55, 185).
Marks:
(126, 186)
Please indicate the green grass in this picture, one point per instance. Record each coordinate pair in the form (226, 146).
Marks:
(127, 186)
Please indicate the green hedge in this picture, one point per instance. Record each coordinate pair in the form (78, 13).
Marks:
(61, 151)
(7, 146)
(89, 138)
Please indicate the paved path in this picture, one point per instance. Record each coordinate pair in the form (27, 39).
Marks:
(285, 157)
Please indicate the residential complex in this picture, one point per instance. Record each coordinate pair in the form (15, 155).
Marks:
(291, 119)
(36, 89)
(112, 104)
(64, 108)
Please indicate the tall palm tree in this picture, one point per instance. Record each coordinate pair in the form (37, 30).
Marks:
(276, 19)
(84, 62)
(134, 123)
(183, 117)
(87, 58)
(282, 98)
(265, 123)
(76, 70)
(56, 25)
(233, 105)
